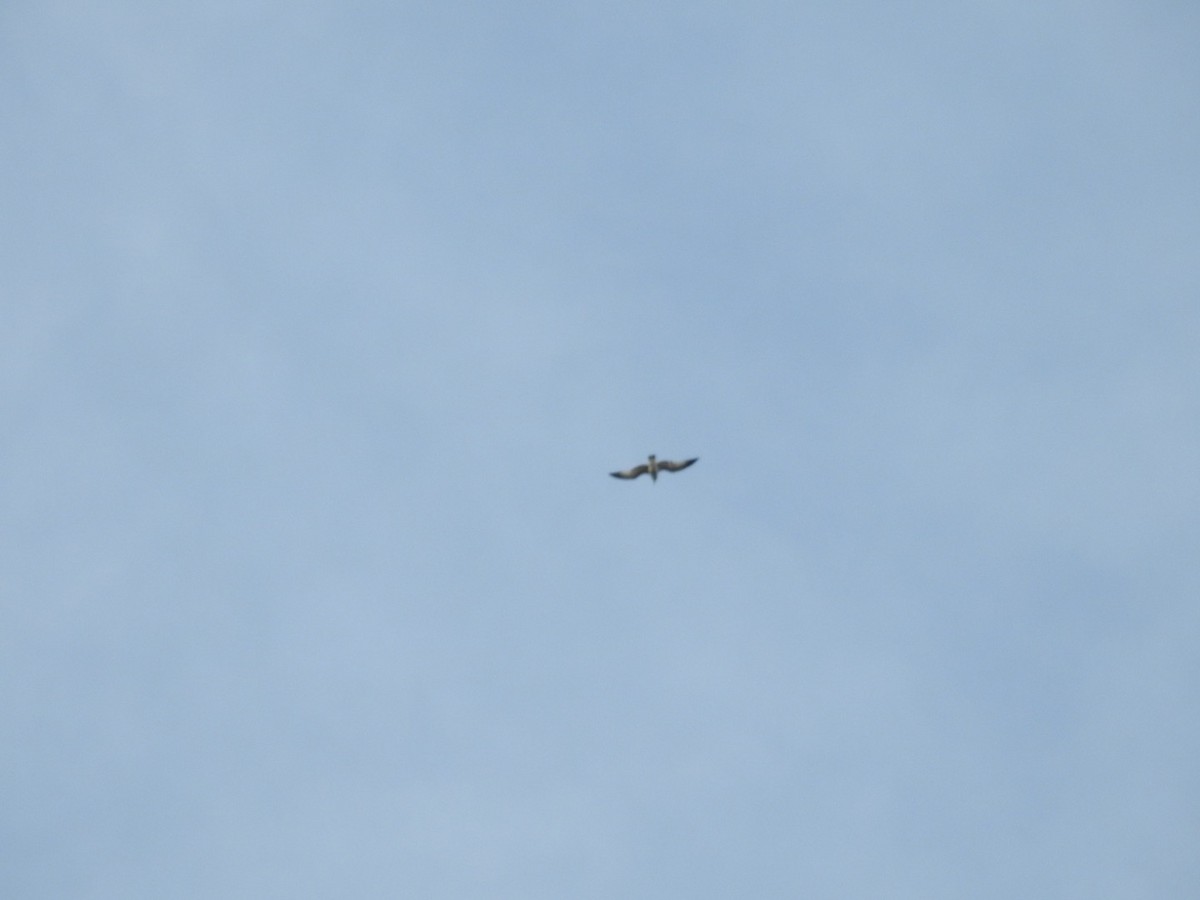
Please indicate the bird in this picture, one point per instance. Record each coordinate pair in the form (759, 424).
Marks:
(654, 466)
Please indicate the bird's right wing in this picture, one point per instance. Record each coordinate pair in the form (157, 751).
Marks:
(631, 473)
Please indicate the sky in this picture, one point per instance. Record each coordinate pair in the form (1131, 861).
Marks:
(322, 324)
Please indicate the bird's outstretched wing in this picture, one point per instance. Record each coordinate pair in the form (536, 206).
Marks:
(631, 473)
(675, 466)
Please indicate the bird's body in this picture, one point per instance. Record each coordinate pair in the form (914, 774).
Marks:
(653, 467)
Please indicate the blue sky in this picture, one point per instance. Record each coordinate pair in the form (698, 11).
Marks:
(323, 323)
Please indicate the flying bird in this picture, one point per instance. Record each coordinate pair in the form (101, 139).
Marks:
(654, 466)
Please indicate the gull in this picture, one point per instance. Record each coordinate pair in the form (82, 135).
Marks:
(654, 466)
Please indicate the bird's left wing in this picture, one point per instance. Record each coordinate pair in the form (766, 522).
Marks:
(675, 466)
